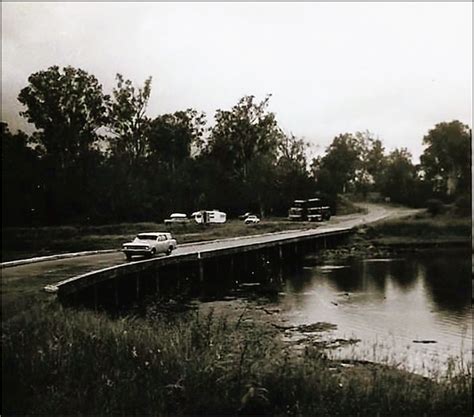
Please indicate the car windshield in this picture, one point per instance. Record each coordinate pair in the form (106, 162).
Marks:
(147, 237)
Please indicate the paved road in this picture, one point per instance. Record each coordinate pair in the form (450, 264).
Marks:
(57, 270)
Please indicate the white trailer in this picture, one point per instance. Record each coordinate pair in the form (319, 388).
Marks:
(209, 216)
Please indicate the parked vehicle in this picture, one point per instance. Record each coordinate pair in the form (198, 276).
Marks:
(316, 211)
(298, 211)
(244, 216)
(149, 244)
(309, 210)
(252, 220)
(209, 216)
(177, 218)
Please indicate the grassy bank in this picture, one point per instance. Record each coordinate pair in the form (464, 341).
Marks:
(415, 233)
(422, 228)
(64, 362)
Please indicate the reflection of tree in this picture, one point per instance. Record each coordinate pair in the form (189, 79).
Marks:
(404, 273)
(449, 280)
(299, 280)
(373, 276)
(349, 279)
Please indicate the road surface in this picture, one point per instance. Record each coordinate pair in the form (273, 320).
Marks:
(57, 270)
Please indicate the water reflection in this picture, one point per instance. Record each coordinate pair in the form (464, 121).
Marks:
(390, 302)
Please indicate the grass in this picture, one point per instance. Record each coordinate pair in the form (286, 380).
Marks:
(421, 229)
(63, 362)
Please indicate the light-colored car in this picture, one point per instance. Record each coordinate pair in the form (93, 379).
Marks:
(177, 218)
(149, 244)
(252, 220)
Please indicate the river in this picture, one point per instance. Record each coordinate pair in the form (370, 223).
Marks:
(413, 311)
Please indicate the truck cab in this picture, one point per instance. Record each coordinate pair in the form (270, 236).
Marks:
(297, 211)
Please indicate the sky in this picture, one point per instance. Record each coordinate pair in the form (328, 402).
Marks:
(394, 69)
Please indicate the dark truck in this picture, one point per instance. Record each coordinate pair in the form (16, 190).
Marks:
(309, 210)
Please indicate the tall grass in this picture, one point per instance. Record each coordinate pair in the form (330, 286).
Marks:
(63, 362)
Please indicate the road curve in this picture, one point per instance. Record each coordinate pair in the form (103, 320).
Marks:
(60, 269)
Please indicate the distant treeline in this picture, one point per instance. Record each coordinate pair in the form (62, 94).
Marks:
(98, 158)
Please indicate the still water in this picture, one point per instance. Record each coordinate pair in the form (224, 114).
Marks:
(413, 311)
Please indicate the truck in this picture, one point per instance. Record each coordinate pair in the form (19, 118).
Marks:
(298, 211)
(310, 210)
(317, 211)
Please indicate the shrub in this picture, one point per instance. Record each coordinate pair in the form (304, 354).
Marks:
(463, 205)
(435, 206)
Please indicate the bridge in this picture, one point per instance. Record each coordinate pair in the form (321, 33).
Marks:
(196, 264)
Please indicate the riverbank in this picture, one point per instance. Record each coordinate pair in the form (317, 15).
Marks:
(64, 362)
(420, 232)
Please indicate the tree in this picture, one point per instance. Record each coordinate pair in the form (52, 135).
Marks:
(399, 178)
(446, 161)
(337, 169)
(245, 132)
(127, 120)
(375, 161)
(21, 179)
(67, 107)
(172, 137)
(292, 180)
(244, 143)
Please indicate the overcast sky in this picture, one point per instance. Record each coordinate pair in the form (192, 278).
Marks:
(395, 69)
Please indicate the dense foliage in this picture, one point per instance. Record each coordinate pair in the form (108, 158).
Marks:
(98, 158)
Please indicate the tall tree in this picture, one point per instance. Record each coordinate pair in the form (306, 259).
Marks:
(127, 119)
(21, 179)
(447, 159)
(173, 137)
(292, 179)
(67, 107)
(399, 177)
(243, 142)
(338, 168)
(247, 131)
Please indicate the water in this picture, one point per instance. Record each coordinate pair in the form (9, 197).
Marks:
(414, 312)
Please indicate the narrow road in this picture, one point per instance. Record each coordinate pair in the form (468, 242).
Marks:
(60, 269)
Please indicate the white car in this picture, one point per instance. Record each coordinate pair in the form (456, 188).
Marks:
(177, 218)
(252, 220)
(149, 244)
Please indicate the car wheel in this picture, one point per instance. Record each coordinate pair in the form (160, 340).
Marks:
(170, 249)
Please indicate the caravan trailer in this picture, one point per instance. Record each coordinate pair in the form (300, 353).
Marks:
(209, 216)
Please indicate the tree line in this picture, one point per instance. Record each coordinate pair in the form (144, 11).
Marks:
(99, 158)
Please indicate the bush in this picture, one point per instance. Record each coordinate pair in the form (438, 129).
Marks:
(463, 205)
(435, 206)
